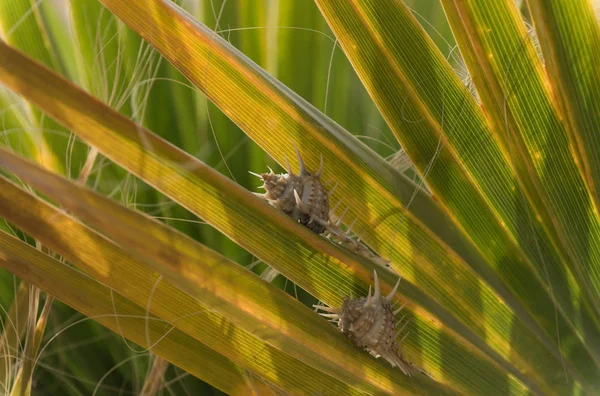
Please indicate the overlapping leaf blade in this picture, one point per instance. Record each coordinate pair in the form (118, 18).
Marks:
(516, 93)
(96, 301)
(449, 139)
(275, 117)
(264, 311)
(215, 60)
(569, 37)
(496, 197)
(114, 267)
(250, 222)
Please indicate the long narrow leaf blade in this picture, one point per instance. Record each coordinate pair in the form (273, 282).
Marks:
(448, 137)
(81, 117)
(115, 268)
(265, 311)
(96, 301)
(220, 74)
(516, 93)
(22, 27)
(569, 36)
(13, 327)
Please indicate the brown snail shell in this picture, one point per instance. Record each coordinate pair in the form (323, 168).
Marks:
(302, 197)
(371, 323)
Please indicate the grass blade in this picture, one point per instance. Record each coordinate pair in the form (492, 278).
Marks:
(24, 378)
(13, 328)
(22, 27)
(154, 379)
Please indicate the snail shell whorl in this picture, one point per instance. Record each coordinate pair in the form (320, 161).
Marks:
(370, 322)
(372, 326)
(302, 196)
(315, 197)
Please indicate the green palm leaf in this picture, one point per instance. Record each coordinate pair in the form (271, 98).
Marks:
(568, 35)
(496, 240)
(265, 312)
(475, 182)
(97, 302)
(277, 240)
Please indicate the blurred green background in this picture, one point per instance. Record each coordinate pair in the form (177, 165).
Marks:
(81, 40)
